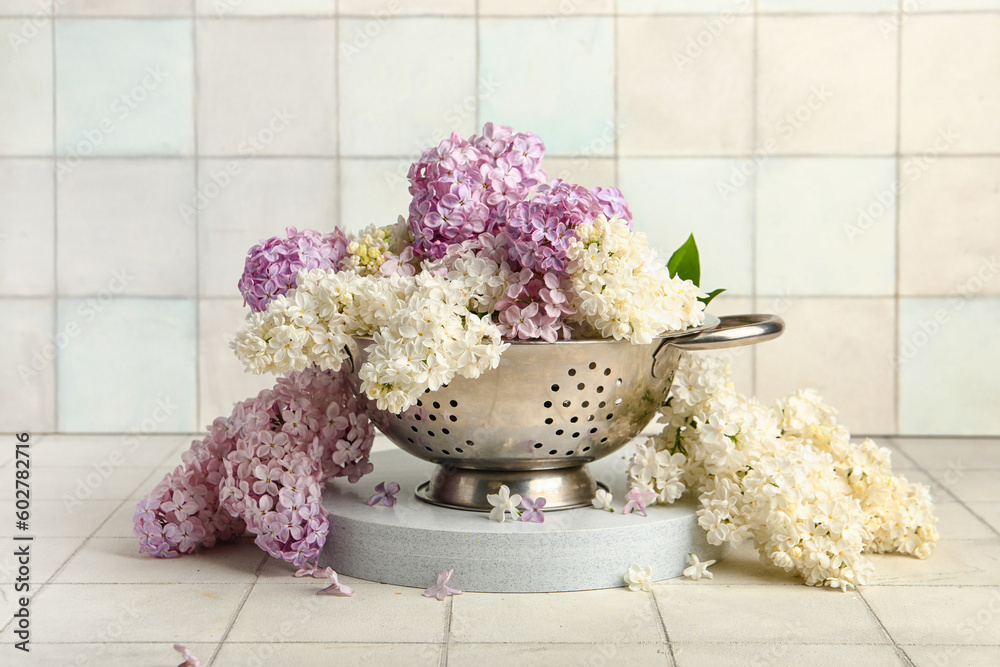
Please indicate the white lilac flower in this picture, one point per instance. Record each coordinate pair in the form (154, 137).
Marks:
(639, 578)
(602, 500)
(786, 476)
(698, 569)
(503, 502)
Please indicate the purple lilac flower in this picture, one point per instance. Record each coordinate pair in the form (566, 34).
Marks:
(385, 494)
(533, 510)
(250, 473)
(461, 187)
(612, 203)
(272, 267)
(534, 307)
(441, 589)
(637, 499)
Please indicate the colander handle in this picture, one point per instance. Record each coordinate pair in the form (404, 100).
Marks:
(733, 331)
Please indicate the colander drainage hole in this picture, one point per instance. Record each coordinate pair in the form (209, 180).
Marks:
(593, 365)
(430, 433)
(554, 387)
(566, 404)
(548, 420)
(417, 417)
(585, 404)
(446, 452)
(581, 386)
(607, 371)
(604, 439)
(590, 418)
(452, 418)
(593, 430)
(618, 382)
(410, 440)
(538, 445)
(445, 431)
(399, 416)
(420, 403)
(426, 447)
(587, 448)
(600, 390)
(469, 443)
(572, 372)
(437, 406)
(602, 404)
(433, 418)
(574, 419)
(610, 415)
(553, 452)
(413, 428)
(618, 401)
(569, 453)
(453, 403)
(559, 432)
(547, 404)
(459, 450)
(576, 435)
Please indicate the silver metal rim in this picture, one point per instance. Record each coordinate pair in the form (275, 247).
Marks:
(423, 493)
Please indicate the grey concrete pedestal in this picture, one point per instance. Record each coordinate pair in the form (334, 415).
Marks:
(572, 550)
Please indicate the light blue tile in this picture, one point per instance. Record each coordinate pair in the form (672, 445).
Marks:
(129, 367)
(949, 366)
(553, 78)
(124, 87)
(826, 226)
(395, 102)
(709, 197)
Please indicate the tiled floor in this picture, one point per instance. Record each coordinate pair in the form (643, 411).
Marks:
(97, 602)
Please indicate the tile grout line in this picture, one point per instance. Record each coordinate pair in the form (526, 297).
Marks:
(899, 649)
(955, 497)
(555, 156)
(450, 611)
(336, 113)
(55, 238)
(479, 72)
(86, 540)
(896, 301)
(754, 299)
(239, 609)
(540, 16)
(614, 93)
(195, 100)
(663, 626)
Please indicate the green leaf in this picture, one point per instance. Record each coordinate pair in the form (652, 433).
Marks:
(684, 262)
(711, 295)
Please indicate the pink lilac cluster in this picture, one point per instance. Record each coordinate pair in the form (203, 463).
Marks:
(461, 187)
(261, 469)
(534, 307)
(273, 265)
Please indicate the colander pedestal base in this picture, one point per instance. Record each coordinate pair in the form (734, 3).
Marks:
(466, 488)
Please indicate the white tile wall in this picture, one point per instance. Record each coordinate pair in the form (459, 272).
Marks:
(838, 162)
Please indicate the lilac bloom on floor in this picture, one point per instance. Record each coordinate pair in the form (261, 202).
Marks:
(441, 589)
(637, 499)
(384, 494)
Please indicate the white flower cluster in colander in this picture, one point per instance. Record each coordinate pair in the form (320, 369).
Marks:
(622, 290)
(786, 476)
(424, 333)
(381, 250)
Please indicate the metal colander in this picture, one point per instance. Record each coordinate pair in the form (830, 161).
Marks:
(534, 422)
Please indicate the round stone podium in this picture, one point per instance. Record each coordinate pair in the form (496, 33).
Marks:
(579, 549)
